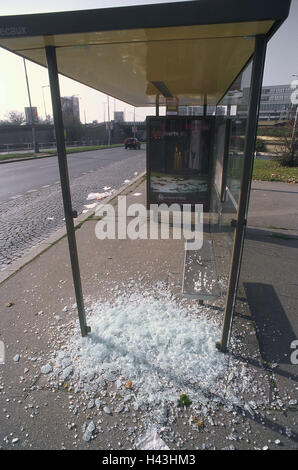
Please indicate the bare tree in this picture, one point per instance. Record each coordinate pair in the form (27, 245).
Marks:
(289, 147)
(15, 117)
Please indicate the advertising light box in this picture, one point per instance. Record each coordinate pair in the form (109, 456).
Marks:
(178, 159)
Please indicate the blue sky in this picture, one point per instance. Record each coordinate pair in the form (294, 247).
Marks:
(281, 63)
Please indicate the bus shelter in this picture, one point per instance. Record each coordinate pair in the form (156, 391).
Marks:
(207, 53)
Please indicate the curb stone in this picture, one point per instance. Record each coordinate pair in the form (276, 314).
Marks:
(23, 159)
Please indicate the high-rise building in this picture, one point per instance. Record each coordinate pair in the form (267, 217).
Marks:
(118, 116)
(70, 107)
(275, 103)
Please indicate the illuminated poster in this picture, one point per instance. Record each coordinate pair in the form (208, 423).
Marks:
(178, 159)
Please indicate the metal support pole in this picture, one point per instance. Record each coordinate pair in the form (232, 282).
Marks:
(252, 122)
(157, 106)
(134, 122)
(64, 178)
(31, 110)
(109, 134)
(205, 105)
(293, 138)
(44, 103)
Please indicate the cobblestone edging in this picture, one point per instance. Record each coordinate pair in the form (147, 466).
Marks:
(28, 220)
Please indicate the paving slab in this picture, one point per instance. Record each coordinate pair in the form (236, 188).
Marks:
(46, 412)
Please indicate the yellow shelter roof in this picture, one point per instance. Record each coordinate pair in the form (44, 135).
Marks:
(134, 64)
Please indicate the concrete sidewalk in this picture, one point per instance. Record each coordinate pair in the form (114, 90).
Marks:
(269, 278)
(52, 411)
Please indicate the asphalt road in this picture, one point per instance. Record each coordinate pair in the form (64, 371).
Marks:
(18, 177)
(30, 194)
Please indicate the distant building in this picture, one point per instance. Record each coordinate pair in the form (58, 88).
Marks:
(29, 112)
(195, 110)
(275, 103)
(190, 110)
(70, 107)
(118, 116)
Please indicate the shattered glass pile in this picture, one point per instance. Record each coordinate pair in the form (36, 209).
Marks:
(158, 346)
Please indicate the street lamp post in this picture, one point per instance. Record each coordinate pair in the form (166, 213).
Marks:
(44, 103)
(293, 134)
(294, 129)
(34, 146)
(109, 123)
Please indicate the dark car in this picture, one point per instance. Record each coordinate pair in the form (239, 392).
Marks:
(132, 143)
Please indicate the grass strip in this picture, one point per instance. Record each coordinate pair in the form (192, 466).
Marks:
(10, 156)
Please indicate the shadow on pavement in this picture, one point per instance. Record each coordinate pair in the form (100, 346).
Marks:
(274, 190)
(290, 241)
(275, 332)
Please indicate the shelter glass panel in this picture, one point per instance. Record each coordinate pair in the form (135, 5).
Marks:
(228, 156)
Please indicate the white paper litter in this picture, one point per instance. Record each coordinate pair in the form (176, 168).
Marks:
(92, 196)
(99, 196)
(151, 441)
